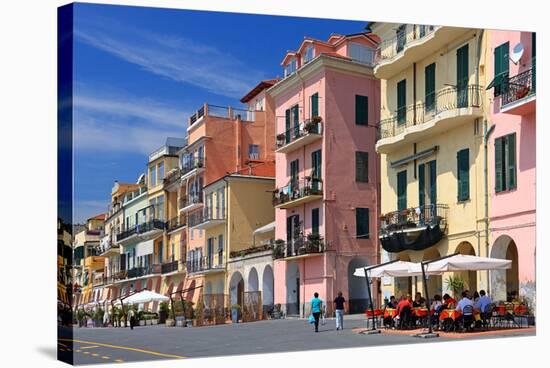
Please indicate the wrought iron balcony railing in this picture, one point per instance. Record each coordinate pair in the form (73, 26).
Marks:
(169, 267)
(175, 223)
(295, 191)
(188, 200)
(196, 264)
(415, 217)
(300, 245)
(520, 86)
(141, 229)
(303, 129)
(143, 271)
(447, 99)
(194, 163)
(405, 35)
(206, 214)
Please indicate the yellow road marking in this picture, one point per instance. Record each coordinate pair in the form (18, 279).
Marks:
(77, 350)
(105, 357)
(119, 360)
(95, 354)
(128, 348)
(85, 352)
(60, 343)
(89, 347)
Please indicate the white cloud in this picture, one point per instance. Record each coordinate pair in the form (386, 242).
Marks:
(176, 58)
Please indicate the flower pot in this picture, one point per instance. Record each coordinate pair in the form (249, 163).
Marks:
(170, 322)
(235, 315)
(142, 322)
(154, 322)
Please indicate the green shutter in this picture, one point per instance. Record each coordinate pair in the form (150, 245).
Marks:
(362, 223)
(463, 174)
(511, 167)
(287, 126)
(402, 190)
(433, 182)
(315, 221)
(294, 173)
(462, 76)
(295, 109)
(362, 166)
(429, 89)
(401, 101)
(361, 110)
(498, 165)
(421, 185)
(315, 105)
(502, 67)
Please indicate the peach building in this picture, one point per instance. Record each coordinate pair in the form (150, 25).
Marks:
(512, 163)
(327, 171)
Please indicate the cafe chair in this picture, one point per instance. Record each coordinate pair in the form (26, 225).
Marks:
(467, 317)
(486, 316)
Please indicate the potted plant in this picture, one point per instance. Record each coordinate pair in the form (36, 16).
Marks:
(456, 284)
(163, 312)
(171, 321)
(80, 316)
(311, 127)
(235, 311)
(314, 243)
(279, 248)
(316, 119)
(154, 319)
(281, 139)
(198, 315)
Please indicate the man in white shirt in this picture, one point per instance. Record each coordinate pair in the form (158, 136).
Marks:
(483, 301)
(464, 302)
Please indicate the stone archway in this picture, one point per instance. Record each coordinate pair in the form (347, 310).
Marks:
(469, 277)
(253, 284)
(435, 282)
(267, 286)
(357, 288)
(236, 288)
(505, 283)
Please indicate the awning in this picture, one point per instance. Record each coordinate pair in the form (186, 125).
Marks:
(144, 248)
(461, 262)
(395, 269)
(497, 81)
(265, 229)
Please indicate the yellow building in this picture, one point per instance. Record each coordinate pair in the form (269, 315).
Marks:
(431, 146)
(235, 206)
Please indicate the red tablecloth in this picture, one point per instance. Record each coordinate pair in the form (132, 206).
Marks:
(454, 314)
(390, 312)
(377, 312)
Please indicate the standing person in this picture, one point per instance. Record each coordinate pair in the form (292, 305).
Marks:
(316, 305)
(339, 307)
(132, 315)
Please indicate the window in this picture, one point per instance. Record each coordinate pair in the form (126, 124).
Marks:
(463, 174)
(290, 67)
(402, 102)
(161, 171)
(362, 223)
(316, 170)
(429, 80)
(210, 250)
(314, 105)
(294, 168)
(253, 152)
(220, 249)
(427, 187)
(462, 76)
(362, 167)
(308, 55)
(502, 66)
(505, 163)
(402, 190)
(315, 221)
(153, 176)
(361, 110)
(292, 118)
(361, 53)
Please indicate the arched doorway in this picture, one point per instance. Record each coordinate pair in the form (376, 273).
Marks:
(236, 288)
(505, 283)
(403, 285)
(357, 287)
(469, 277)
(292, 288)
(435, 282)
(267, 286)
(253, 280)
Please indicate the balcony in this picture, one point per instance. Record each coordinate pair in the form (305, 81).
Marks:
(136, 272)
(413, 228)
(411, 43)
(440, 112)
(300, 136)
(206, 218)
(204, 264)
(190, 202)
(169, 267)
(294, 194)
(106, 247)
(225, 112)
(175, 223)
(144, 231)
(193, 167)
(172, 180)
(520, 95)
(299, 247)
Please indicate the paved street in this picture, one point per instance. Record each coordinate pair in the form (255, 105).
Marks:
(117, 345)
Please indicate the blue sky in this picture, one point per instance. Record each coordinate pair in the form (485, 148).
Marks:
(140, 72)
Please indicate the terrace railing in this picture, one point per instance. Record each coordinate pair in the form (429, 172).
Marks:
(172, 177)
(405, 35)
(142, 228)
(187, 200)
(169, 267)
(144, 271)
(520, 86)
(415, 217)
(301, 130)
(194, 163)
(446, 99)
(206, 214)
(175, 223)
(300, 245)
(297, 190)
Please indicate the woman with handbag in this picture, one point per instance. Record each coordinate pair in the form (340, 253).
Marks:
(316, 305)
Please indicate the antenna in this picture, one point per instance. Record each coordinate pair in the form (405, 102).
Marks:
(517, 53)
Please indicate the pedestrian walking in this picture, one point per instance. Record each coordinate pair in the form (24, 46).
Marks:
(339, 308)
(316, 305)
(132, 315)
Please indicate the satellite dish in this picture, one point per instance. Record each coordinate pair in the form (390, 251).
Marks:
(517, 53)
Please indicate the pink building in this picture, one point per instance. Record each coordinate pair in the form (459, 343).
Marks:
(512, 163)
(327, 172)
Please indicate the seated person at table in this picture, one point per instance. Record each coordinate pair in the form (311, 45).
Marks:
(419, 301)
(436, 308)
(483, 301)
(475, 297)
(448, 302)
(461, 307)
(392, 303)
(404, 310)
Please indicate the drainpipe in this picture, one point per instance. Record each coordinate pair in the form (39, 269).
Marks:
(479, 40)
(486, 135)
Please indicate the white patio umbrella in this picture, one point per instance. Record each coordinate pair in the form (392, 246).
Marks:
(395, 269)
(145, 296)
(461, 262)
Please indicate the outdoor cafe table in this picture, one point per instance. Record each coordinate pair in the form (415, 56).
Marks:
(454, 314)
(390, 312)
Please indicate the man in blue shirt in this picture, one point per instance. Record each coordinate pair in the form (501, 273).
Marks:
(483, 301)
(316, 305)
